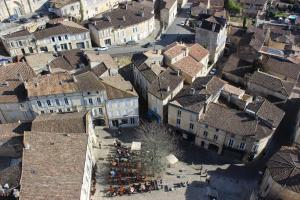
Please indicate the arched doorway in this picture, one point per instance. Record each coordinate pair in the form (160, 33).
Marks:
(213, 147)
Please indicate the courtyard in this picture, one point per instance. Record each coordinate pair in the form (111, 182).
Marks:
(205, 174)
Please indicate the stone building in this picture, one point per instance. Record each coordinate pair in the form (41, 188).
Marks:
(187, 106)
(211, 33)
(167, 85)
(13, 98)
(168, 12)
(20, 7)
(62, 36)
(131, 22)
(242, 133)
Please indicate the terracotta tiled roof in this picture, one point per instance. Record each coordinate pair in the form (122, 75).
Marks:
(132, 15)
(53, 165)
(60, 29)
(63, 123)
(189, 66)
(284, 167)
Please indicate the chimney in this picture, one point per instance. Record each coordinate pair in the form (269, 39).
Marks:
(95, 23)
(213, 27)
(20, 77)
(49, 68)
(193, 91)
(178, 72)
(126, 6)
(124, 19)
(74, 78)
(168, 89)
(204, 107)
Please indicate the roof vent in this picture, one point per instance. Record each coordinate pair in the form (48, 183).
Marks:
(67, 135)
(124, 19)
(193, 91)
(3, 84)
(51, 143)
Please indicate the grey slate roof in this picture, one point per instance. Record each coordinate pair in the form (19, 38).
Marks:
(168, 78)
(207, 21)
(147, 72)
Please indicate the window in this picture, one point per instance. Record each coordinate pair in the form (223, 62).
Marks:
(44, 49)
(49, 102)
(57, 102)
(51, 111)
(53, 39)
(30, 50)
(124, 121)
(68, 109)
(88, 93)
(72, 7)
(91, 101)
(242, 146)
(255, 147)
(206, 126)
(100, 111)
(12, 44)
(39, 103)
(217, 130)
(205, 133)
(42, 112)
(179, 113)
(178, 122)
(20, 43)
(66, 101)
(98, 99)
(59, 38)
(191, 126)
(215, 137)
(66, 37)
(230, 142)
(132, 120)
(59, 110)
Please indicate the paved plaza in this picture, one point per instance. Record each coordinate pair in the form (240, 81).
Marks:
(215, 178)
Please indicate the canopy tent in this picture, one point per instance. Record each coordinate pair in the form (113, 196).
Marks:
(136, 146)
(172, 159)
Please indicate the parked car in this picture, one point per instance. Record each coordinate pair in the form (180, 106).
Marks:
(147, 45)
(12, 18)
(101, 48)
(24, 20)
(35, 16)
(132, 42)
(213, 71)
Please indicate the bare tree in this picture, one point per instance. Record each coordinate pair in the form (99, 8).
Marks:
(157, 143)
